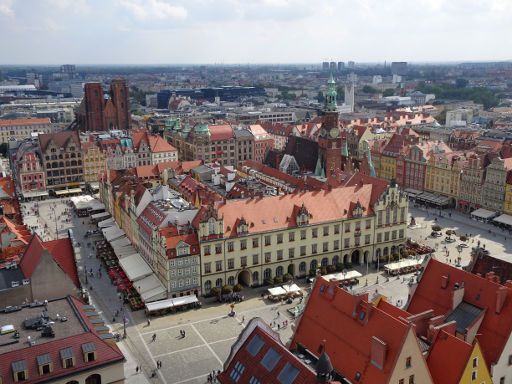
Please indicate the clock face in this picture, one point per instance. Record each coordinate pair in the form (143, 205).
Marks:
(334, 132)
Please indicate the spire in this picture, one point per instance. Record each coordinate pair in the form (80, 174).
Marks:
(370, 162)
(344, 149)
(319, 169)
(330, 96)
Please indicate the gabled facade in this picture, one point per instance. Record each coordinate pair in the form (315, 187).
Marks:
(493, 190)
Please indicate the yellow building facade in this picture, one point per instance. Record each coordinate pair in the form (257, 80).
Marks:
(94, 162)
(387, 168)
(507, 206)
(442, 174)
(476, 369)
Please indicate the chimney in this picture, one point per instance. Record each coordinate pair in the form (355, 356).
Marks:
(421, 321)
(501, 295)
(457, 294)
(378, 352)
(444, 281)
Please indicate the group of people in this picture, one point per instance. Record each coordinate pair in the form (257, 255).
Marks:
(212, 377)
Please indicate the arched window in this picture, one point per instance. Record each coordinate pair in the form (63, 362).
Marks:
(335, 260)
(231, 280)
(93, 379)
(255, 277)
(279, 271)
(61, 164)
(302, 267)
(313, 265)
(218, 283)
(325, 262)
(207, 285)
(386, 251)
(267, 273)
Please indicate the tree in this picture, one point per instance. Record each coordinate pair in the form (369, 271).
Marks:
(369, 89)
(287, 277)
(227, 289)
(214, 291)
(278, 280)
(461, 83)
(388, 92)
(436, 228)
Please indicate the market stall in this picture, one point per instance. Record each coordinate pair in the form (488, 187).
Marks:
(100, 216)
(113, 233)
(345, 278)
(135, 267)
(403, 266)
(292, 290)
(276, 293)
(483, 215)
(170, 305)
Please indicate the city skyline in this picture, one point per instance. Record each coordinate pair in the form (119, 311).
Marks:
(164, 32)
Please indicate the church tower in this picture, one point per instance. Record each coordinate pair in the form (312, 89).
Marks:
(329, 141)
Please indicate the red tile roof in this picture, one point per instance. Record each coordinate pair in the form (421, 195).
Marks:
(349, 323)
(59, 138)
(147, 171)
(256, 329)
(495, 329)
(15, 122)
(158, 144)
(60, 250)
(106, 353)
(7, 185)
(20, 231)
(220, 132)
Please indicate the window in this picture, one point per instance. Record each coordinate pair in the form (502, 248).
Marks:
(475, 362)
(314, 232)
(288, 374)
(243, 244)
(218, 248)
(347, 227)
(367, 239)
(267, 240)
(379, 218)
(255, 242)
(280, 254)
(243, 261)
(91, 356)
(368, 224)
(206, 250)
(279, 238)
(218, 266)
(386, 236)
(411, 379)
(303, 250)
(270, 359)
(502, 380)
(336, 229)
(291, 236)
(336, 245)
(346, 243)
(237, 371)
(207, 267)
(255, 345)
(231, 246)
(325, 247)
(254, 380)
(291, 253)
(255, 259)
(408, 362)
(326, 231)
(313, 248)
(268, 257)
(393, 235)
(473, 375)
(358, 225)
(231, 263)
(303, 234)
(379, 237)
(401, 381)
(401, 234)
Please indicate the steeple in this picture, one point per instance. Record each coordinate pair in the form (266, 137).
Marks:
(344, 149)
(330, 97)
(370, 162)
(319, 169)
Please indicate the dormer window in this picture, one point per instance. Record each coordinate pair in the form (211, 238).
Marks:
(89, 351)
(67, 357)
(44, 363)
(19, 370)
(358, 210)
(303, 216)
(211, 226)
(242, 227)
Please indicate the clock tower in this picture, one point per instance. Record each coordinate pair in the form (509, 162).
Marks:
(329, 141)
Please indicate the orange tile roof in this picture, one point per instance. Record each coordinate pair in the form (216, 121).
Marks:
(7, 185)
(158, 144)
(20, 231)
(15, 122)
(60, 139)
(220, 132)
(274, 212)
(348, 323)
(146, 171)
(495, 329)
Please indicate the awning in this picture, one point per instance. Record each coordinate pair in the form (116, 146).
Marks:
(276, 291)
(170, 303)
(504, 219)
(483, 214)
(349, 275)
(62, 192)
(124, 251)
(120, 243)
(403, 264)
(291, 288)
(106, 223)
(100, 216)
(150, 288)
(412, 192)
(113, 233)
(95, 185)
(75, 190)
(135, 267)
(435, 199)
(31, 194)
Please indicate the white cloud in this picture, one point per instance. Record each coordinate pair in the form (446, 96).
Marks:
(6, 8)
(148, 9)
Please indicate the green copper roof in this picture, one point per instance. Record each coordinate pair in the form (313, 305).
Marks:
(202, 129)
(319, 169)
(330, 96)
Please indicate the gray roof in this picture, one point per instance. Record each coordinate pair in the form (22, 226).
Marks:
(7, 276)
(20, 365)
(44, 359)
(66, 353)
(464, 314)
(242, 133)
(88, 347)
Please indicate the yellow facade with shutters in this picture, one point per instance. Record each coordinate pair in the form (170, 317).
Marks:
(507, 206)
(476, 369)
(387, 169)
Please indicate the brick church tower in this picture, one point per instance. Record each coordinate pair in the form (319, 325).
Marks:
(329, 141)
(119, 96)
(91, 109)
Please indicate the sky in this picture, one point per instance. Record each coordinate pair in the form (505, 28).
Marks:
(253, 31)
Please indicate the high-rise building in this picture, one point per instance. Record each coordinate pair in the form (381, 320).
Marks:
(351, 64)
(341, 66)
(399, 67)
(325, 66)
(349, 95)
(332, 66)
(68, 68)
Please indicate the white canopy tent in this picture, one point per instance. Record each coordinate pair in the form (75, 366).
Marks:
(100, 216)
(403, 264)
(135, 267)
(276, 291)
(483, 214)
(121, 242)
(113, 233)
(292, 288)
(349, 275)
(106, 223)
(504, 219)
(171, 303)
(124, 251)
(150, 288)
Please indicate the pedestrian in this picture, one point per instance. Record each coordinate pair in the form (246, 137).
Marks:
(184, 334)
(278, 326)
(154, 337)
(243, 319)
(149, 322)
(209, 377)
(137, 369)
